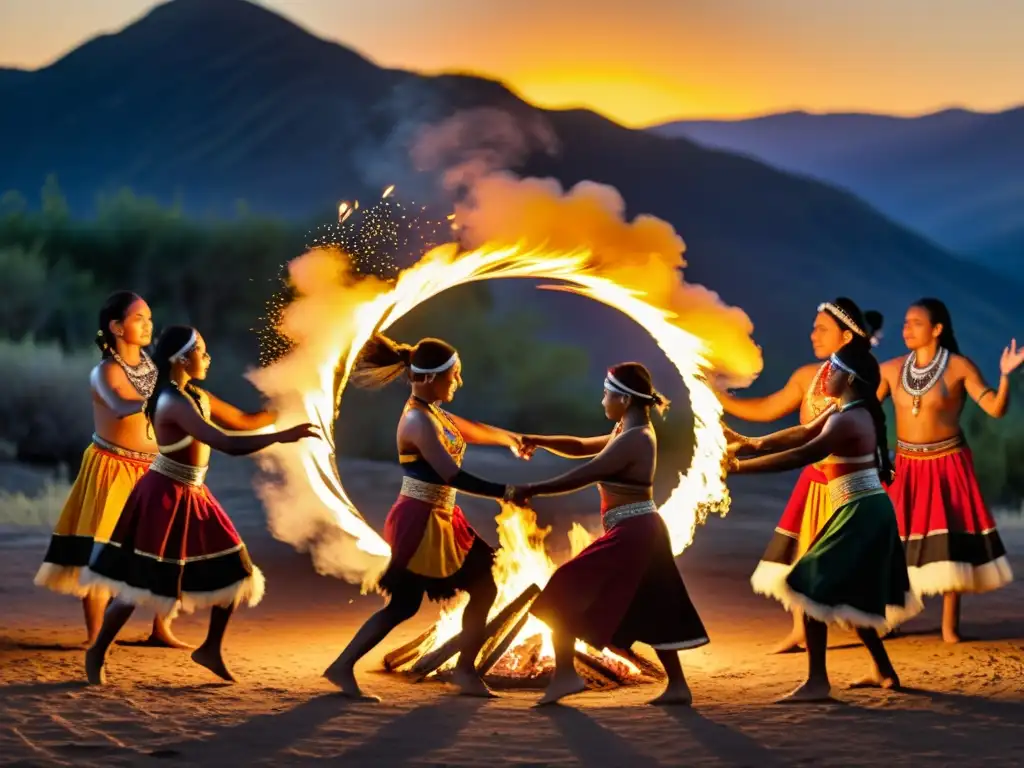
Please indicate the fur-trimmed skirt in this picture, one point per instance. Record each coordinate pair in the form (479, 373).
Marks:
(175, 548)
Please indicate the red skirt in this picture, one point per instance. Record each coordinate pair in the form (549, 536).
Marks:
(175, 548)
(949, 535)
(622, 589)
(806, 513)
(433, 550)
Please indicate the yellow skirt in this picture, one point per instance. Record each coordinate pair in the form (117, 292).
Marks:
(817, 511)
(106, 479)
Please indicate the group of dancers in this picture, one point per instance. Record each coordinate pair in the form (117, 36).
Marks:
(860, 541)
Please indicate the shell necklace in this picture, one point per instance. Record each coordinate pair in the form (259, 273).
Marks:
(141, 376)
(917, 382)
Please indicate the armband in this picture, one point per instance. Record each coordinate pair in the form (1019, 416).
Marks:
(477, 486)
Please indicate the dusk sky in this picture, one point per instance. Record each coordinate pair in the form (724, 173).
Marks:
(643, 61)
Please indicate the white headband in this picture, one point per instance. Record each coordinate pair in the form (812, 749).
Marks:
(614, 385)
(439, 369)
(844, 367)
(844, 318)
(179, 356)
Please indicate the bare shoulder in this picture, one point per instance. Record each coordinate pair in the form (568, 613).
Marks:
(109, 372)
(805, 373)
(961, 366)
(892, 364)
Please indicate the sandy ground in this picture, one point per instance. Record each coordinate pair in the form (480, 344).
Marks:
(964, 704)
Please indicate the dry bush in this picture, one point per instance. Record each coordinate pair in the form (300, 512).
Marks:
(45, 410)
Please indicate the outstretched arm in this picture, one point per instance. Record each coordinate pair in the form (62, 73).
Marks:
(114, 389)
(420, 430)
(827, 441)
(769, 408)
(236, 420)
(182, 412)
(565, 445)
(611, 461)
(993, 402)
(792, 437)
(475, 433)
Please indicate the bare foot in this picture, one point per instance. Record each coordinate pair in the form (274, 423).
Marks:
(471, 684)
(953, 636)
(95, 667)
(213, 661)
(877, 680)
(162, 637)
(345, 680)
(812, 690)
(794, 643)
(558, 689)
(674, 696)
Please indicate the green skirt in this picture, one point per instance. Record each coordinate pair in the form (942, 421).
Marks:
(855, 573)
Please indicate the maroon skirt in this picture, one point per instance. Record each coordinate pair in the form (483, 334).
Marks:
(622, 589)
(175, 548)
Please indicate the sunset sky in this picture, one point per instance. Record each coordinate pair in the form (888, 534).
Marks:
(643, 61)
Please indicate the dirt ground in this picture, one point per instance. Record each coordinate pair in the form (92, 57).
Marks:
(963, 705)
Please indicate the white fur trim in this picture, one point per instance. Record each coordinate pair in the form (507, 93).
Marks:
(848, 617)
(945, 576)
(769, 578)
(249, 590)
(64, 579)
(681, 646)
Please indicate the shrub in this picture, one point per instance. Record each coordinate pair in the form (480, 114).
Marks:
(45, 407)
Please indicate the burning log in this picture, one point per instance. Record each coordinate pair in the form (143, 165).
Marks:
(402, 657)
(435, 659)
(647, 667)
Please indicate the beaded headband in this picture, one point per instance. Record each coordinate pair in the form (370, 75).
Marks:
(842, 317)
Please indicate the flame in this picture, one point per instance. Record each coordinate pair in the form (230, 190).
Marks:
(308, 383)
(388, 191)
(345, 210)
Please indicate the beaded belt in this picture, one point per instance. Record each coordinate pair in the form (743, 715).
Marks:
(186, 474)
(852, 486)
(616, 515)
(441, 496)
(124, 453)
(919, 449)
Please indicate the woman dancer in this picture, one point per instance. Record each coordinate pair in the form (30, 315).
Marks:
(434, 551)
(121, 451)
(174, 547)
(624, 587)
(950, 537)
(837, 323)
(854, 573)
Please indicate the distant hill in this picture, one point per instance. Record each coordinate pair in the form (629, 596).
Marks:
(956, 176)
(211, 101)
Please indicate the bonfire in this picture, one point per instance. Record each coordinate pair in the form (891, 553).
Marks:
(632, 267)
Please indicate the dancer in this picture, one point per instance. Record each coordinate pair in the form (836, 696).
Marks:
(120, 452)
(624, 587)
(854, 573)
(174, 547)
(837, 323)
(434, 550)
(950, 537)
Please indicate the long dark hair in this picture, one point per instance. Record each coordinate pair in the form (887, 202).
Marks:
(939, 313)
(638, 378)
(115, 308)
(173, 338)
(869, 322)
(382, 360)
(859, 359)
